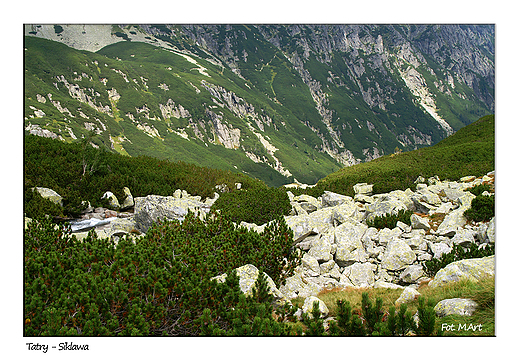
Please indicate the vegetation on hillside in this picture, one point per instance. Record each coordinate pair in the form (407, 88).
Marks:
(146, 78)
(160, 284)
(294, 86)
(259, 205)
(80, 172)
(470, 151)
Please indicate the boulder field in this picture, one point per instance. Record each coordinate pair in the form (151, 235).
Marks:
(338, 248)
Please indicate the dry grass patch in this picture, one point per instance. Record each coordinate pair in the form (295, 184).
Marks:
(435, 221)
(354, 296)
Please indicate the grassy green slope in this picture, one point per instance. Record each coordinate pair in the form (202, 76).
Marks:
(302, 159)
(470, 151)
(147, 67)
(58, 165)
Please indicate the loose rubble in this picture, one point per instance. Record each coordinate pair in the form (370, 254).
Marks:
(338, 248)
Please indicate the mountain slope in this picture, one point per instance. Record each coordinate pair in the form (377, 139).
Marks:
(278, 102)
(469, 151)
(144, 106)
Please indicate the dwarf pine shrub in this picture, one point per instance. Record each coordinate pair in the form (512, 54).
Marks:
(372, 320)
(158, 284)
(482, 208)
(372, 314)
(457, 253)
(257, 205)
(390, 220)
(479, 189)
(36, 206)
(426, 313)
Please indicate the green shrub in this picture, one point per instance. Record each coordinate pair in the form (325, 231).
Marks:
(158, 284)
(482, 208)
(479, 189)
(58, 29)
(390, 220)
(404, 321)
(258, 205)
(349, 322)
(372, 320)
(313, 324)
(218, 245)
(426, 315)
(458, 252)
(36, 206)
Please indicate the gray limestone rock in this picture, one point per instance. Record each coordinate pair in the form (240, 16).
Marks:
(419, 222)
(429, 197)
(451, 223)
(308, 203)
(112, 200)
(331, 199)
(387, 235)
(387, 205)
(438, 249)
(292, 285)
(349, 246)
(383, 284)
(491, 231)
(361, 274)
(397, 256)
(308, 304)
(363, 188)
(472, 269)
(412, 273)
(49, 194)
(455, 306)
(409, 294)
(310, 265)
(321, 249)
(464, 237)
(345, 211)
(128, 202)
(152, 208)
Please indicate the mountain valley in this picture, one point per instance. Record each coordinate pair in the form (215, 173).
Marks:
(281, 103)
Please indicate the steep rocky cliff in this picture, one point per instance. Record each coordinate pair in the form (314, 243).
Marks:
(279, 102)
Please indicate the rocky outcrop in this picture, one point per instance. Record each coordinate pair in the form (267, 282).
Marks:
(151, 208)
(247, 276)
(467, 269)
(340, 250)
(49, 194)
